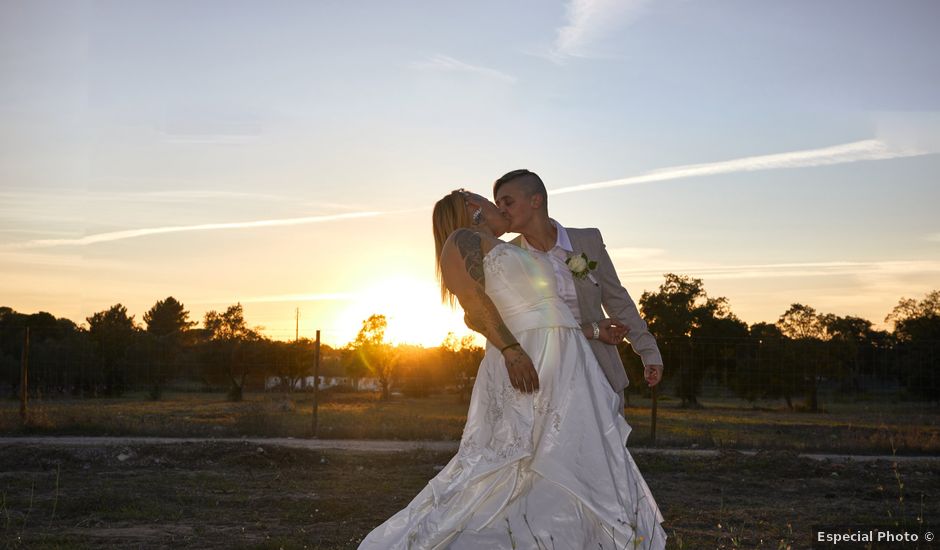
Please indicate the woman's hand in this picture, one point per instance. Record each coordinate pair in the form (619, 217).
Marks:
(522, 373)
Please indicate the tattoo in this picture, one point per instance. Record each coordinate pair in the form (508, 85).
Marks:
(471, 250)
(514, 360)
(485, 319)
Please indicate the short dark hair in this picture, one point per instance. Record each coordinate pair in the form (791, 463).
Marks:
(533, 185)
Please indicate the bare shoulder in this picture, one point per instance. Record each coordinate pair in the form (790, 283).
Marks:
(465, 242)
(462, 256)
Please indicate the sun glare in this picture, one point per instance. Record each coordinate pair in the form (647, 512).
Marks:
(413, 309)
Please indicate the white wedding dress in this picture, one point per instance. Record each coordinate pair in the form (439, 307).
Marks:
(547, 470)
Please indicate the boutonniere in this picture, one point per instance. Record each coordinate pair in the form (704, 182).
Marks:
(581, 267)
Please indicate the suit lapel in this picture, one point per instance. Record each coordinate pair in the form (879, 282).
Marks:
(579, 284)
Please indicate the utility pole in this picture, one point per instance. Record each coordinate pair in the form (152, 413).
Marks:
(297, 324)
(316, 384)
(24, 377)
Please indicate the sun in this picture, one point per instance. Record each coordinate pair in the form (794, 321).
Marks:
(413, 309)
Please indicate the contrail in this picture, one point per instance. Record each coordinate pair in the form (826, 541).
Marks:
(871, 149)
(134, 233)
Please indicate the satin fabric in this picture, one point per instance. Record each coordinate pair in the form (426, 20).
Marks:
(542, 470)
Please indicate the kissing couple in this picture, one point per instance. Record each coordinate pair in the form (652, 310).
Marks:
(542, 462)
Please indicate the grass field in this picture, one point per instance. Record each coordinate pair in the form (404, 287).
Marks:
(867, 428)
(224, 495)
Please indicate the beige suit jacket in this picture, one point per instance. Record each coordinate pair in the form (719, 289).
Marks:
(616, 301)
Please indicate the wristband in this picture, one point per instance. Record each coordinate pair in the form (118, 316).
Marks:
(597, 330)
(509, 346)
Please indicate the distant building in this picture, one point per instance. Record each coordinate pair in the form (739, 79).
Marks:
(364, 384)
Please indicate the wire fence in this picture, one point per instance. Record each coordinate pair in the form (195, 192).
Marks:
(800, 373)
(811, 371)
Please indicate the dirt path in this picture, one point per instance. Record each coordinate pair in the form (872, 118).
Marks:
(385, 446)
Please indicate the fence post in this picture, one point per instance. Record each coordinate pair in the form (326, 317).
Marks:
(316, 384)
(655, 393)
(24, 377)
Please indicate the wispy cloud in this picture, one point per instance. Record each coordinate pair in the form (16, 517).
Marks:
(871, 149)
(76, 261)
(135, 233)
(634, 254)
(293, 298)
(447, 63)
(785, 270)
(587, 21)
(20, 199)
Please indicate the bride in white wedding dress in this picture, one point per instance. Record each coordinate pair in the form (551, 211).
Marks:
(542, 463)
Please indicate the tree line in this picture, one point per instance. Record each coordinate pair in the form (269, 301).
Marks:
(804, 349)
(700, 337)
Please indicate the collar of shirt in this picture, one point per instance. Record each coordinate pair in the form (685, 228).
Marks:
(562, 242)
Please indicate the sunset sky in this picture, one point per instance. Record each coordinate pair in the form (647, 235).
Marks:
(287, 154)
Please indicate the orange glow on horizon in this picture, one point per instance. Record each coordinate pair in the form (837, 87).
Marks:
(412, 308)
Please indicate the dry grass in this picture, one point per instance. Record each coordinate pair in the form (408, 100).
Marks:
(241, 496)
(842, 428)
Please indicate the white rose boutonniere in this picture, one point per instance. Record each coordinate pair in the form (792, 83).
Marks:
(581, 266)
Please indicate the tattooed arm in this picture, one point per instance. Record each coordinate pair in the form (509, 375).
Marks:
(462, 269)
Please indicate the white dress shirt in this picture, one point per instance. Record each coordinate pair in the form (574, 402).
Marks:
(564, 280)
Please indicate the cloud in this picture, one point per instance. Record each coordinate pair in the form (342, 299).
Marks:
(20, 198)
(871, 149)
(634, 254)
(77, 261)
(935, 237)
(293, 298)
(891, 268)
(134, 233)
(587, 21)
(447, 63)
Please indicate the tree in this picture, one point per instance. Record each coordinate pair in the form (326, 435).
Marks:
(765, 373)
(853, 346)
(112, 332)
(463, 357)
(293, 361)
(376, 354)
(417, 370)
(801, 322)
(917, 331)
(806, 330)
(167, 326)
(353, 366)
(672, 311)
(915, 320)
(680, 307)
(230, 348)
(720, 337)
(51, 349)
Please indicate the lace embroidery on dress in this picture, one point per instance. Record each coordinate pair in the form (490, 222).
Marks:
(491, 261)
(544, 408)
(495, 450)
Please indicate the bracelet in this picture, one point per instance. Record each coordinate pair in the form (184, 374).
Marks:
(509, 346)
(597, 330)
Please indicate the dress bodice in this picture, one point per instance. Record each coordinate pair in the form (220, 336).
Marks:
(522, 287)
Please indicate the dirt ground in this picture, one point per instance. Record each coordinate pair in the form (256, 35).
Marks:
(246, 495)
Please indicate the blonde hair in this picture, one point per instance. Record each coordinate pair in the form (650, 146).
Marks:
(450, 214)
